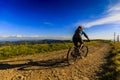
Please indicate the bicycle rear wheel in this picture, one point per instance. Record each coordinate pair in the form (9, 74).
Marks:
(84, 51)
(71, 57)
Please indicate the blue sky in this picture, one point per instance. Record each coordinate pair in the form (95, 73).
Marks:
(57, 19)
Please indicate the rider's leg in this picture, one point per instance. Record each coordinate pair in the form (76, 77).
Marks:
(81, 43)
(75, 41)
(80, 47)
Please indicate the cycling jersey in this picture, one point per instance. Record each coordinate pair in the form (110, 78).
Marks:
(82, 32)
(79, 33)
(77, 37)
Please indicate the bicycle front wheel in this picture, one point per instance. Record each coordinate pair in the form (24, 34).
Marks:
(71, 57)
(84, 51)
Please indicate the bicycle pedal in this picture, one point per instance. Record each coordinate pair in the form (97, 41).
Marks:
(78, 54)
(73, 55)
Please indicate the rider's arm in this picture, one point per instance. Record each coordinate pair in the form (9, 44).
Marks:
(86, 36)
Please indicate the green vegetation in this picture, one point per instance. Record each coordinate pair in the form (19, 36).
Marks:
(8, 49)
(113, 66)
(15, 50)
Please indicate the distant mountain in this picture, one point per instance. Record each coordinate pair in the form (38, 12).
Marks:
(45, 41)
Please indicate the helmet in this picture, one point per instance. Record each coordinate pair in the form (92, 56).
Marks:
(80, 27)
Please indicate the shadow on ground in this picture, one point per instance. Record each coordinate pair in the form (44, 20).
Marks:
(43, 64)
(105, 68)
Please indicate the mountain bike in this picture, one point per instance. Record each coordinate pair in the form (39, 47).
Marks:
(75, 53)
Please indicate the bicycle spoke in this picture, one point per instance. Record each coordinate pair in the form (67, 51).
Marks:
(71, 57)
(74, 55)
(84, 51)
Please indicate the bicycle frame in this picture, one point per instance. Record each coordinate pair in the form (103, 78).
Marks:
(76, 53)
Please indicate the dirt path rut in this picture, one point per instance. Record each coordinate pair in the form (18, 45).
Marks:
(53, 66)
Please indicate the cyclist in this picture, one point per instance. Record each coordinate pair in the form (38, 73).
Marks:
(77, 36)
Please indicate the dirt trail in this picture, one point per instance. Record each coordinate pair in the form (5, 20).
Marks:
(53, 66)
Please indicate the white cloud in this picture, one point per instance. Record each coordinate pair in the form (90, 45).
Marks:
(112, 19)
(115, 8)
(19, 36)
(107, 37)
(48, 23)
(112, 16)
(34, 37)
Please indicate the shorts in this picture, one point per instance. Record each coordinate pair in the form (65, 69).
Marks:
(76, 40)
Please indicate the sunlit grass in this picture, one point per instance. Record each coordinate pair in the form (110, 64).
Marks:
(27, 49)
(113, 68)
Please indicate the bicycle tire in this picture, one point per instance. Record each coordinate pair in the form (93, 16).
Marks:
(84, 51)
(70, 58)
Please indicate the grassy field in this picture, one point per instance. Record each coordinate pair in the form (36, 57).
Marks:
(113, 66)
(8, 51)
(15, 50)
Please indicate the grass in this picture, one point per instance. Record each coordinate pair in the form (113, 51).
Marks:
(116, 60)
(16, 50)
(27, 49)
(113, 66)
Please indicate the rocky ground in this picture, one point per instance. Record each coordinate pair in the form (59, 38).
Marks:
(53, 66)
